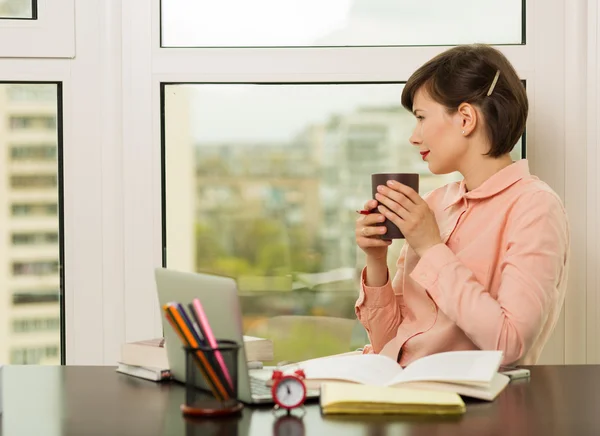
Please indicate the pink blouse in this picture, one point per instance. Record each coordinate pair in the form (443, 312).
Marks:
(496, 283)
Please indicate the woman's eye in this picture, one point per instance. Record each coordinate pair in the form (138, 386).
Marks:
(420, 117)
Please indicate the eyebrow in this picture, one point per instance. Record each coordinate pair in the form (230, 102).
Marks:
(417, 110)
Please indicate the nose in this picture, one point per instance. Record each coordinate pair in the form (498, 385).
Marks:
(415, 139)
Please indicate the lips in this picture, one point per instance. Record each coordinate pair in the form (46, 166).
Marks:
(424, 154)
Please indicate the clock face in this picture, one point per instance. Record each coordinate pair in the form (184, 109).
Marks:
(290, 392)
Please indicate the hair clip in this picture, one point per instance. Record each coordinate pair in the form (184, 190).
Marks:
(493, 85)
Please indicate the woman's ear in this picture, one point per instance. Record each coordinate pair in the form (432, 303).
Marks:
(467, 117)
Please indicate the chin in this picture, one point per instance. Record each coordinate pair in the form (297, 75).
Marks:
(440, 168)
(439, 171)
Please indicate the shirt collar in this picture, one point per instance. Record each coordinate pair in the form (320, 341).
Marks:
(497, 183)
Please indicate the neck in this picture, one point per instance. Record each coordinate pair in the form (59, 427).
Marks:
(476, 173)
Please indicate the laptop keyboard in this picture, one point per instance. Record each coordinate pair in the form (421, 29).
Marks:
(259, 388)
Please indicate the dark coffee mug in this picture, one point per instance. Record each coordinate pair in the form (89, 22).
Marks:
(412, 180)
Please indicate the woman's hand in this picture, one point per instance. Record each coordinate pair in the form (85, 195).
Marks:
(369, 230)
(405, 208)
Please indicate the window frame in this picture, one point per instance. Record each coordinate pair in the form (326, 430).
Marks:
(112, 149)
(7, 76)
(161, 37)
(548, 30)
(50, 35)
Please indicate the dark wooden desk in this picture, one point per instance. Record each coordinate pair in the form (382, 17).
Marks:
(73, 400)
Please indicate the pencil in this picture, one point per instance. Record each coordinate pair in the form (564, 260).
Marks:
(213, 388)
(219, 363)
(191, 340)
(188, 339)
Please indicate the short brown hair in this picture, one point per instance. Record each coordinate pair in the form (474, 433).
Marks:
(464, 74)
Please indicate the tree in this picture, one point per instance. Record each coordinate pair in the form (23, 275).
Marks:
(208, 246)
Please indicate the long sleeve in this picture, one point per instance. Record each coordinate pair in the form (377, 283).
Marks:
(532, 265)
(379, 308)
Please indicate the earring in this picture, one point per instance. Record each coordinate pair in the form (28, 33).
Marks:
(463, 132)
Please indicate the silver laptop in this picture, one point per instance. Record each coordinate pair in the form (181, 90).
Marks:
(219, 297)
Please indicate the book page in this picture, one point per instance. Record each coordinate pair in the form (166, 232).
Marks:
(296, 365)
(372, 369)
(471, 366)
(156, 342)
(487, 393)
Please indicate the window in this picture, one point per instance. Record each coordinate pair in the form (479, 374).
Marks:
(30, 92)
(262, 23)
(31, 204)
(35, 355)
(33, 181)
(36, 325)
(240, 53)
(22, 9)
(33, 122)
(33, 152)
(275, 180)
(35, 297)
(39, 268)
(34, 209)
(37, 238)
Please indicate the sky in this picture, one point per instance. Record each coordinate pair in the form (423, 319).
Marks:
(275, 112)
(339, 22)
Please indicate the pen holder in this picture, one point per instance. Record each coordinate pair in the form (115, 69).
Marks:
(211, 380)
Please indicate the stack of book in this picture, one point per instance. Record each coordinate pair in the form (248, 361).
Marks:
(148, 359)
(145, 359)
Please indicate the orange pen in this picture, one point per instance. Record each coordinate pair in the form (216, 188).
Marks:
(188, 339)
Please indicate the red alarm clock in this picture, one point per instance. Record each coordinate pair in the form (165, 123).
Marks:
(289, 390)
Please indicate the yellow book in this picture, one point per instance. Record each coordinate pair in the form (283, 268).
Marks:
(349, 398)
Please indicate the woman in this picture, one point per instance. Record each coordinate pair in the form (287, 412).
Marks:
(485, 260)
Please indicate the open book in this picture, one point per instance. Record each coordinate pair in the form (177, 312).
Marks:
(351, 398)
(468, 373)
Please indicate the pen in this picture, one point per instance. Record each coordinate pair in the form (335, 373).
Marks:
(364, 212)
(203, 339)
(192, 343)
(188, 322)
(213, 388)
(204, 328)
(219, 367)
